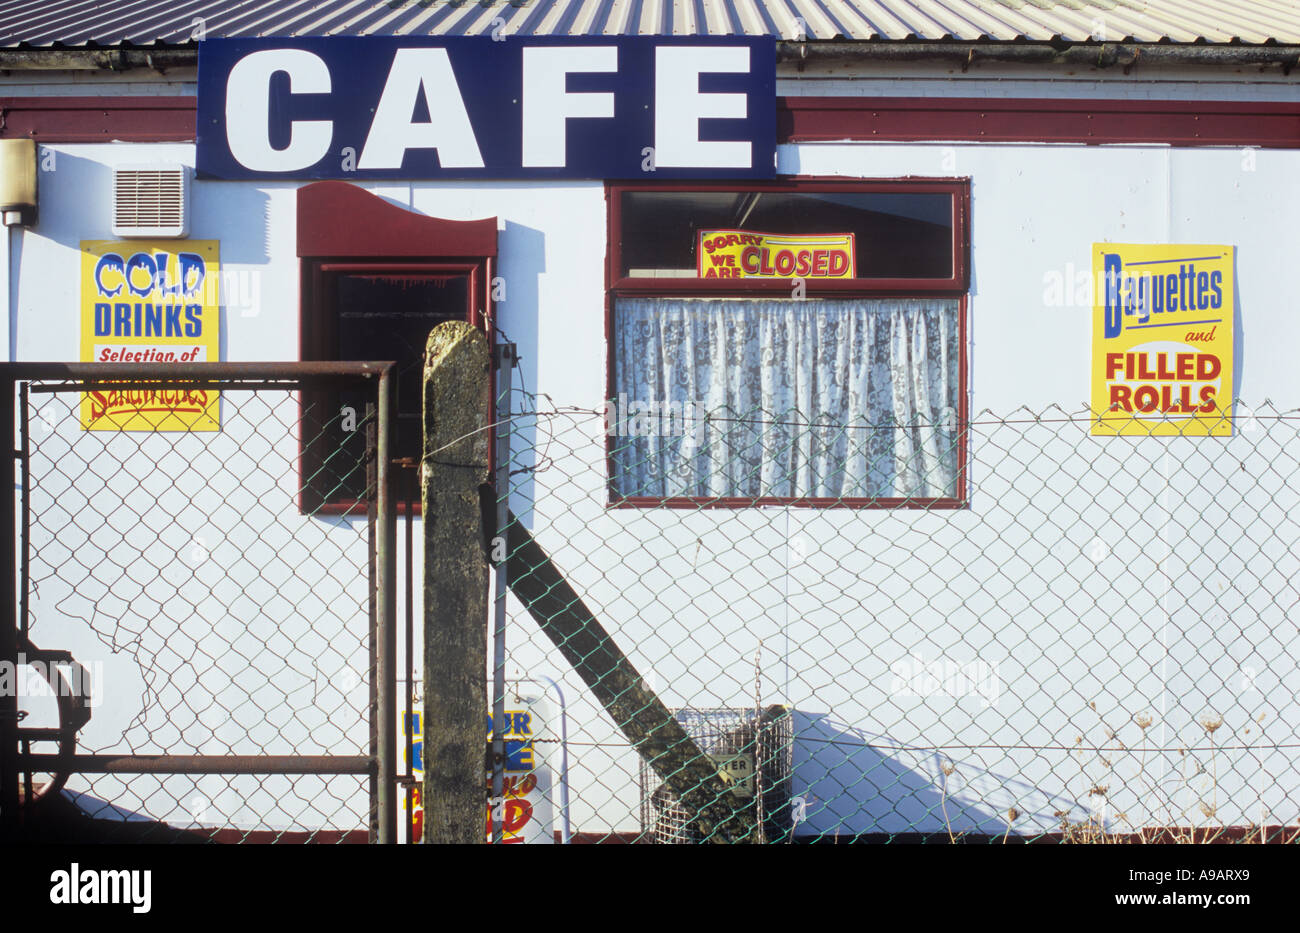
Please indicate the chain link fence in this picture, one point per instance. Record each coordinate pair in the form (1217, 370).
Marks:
(721, 626)
(1057, 636)
(216, 589)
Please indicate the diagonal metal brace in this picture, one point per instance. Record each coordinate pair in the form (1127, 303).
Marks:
(635, 709)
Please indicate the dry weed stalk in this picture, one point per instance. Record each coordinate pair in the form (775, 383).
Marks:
(1012, 814)
(947, 768)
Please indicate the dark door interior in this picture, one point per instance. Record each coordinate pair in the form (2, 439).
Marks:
(380, 313)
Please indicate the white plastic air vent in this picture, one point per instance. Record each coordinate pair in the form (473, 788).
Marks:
(151, 201)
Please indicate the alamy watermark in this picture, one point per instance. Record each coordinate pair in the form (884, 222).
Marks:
(31, 678)
(914, 676)
(77, 885)
(657, 418)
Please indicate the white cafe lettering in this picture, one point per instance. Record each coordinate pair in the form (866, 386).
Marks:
(546, 105)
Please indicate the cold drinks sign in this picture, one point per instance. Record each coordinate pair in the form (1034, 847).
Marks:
(1162, 339)
(150, 301)
(487, 107)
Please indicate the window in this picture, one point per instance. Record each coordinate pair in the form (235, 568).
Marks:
(801, 343)
(375, 280)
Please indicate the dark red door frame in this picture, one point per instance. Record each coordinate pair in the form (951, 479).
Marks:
(345, 228)
(1266, 124)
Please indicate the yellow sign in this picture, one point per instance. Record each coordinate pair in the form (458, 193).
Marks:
(1162, 339)
(146, 301)
(737, 771)
(524, 809)
(746, 254)
(415, 762)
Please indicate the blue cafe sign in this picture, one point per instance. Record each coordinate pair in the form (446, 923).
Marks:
(478, 107)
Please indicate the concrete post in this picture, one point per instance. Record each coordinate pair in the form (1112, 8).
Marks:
(457, 395)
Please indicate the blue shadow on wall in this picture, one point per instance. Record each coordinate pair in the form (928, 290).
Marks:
(848, 783)
(522, 253)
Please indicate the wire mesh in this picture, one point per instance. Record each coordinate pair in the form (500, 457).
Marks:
(750, 749)
(217, 587)
(1024, 631)
(1076, 638)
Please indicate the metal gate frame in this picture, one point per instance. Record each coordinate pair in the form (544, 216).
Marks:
(378, 379)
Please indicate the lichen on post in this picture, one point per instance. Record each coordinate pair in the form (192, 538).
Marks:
(454, 464)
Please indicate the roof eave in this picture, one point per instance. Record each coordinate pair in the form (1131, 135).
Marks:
(116, 58)
(1124, 55)
(1052, 53)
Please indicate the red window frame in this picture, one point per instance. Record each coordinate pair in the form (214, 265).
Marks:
(956, 286)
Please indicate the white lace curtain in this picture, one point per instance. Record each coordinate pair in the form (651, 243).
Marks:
(829, 398)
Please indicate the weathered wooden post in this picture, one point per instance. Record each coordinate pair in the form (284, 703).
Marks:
(457, 393)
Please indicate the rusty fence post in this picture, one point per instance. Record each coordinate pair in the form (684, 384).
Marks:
(8, 616)
(457, 399)
(505, 359)
(385, 677)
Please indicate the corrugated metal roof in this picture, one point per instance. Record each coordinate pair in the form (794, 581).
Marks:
(146, 22)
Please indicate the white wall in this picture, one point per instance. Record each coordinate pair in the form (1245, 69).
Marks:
(839, 598)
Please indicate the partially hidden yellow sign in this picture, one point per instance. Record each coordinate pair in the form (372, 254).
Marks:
(1162, 339)
(146, 301)
(747, 254)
